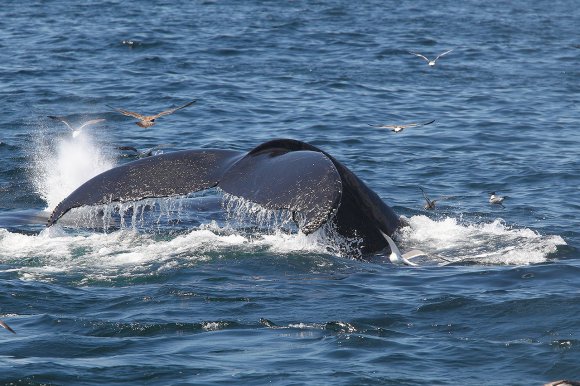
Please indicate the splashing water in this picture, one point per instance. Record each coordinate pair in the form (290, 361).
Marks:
(62, 165)
(483, 243)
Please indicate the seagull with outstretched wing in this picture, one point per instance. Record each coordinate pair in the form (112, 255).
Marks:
(149, 120)
(75, 130)
(399, 128)
(430, 62)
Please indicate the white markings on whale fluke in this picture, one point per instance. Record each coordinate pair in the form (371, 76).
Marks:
(76, 130)
(430, 62)
(399, 128)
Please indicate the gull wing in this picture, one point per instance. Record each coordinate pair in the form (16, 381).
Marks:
(419, 55)
(7, 327)
(171, 111)
(128, 113)
(444, 53)
(91, 122)
(61, 119)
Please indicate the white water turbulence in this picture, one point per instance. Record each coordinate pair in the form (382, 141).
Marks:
(448, 240)
(62, 164)
(281, 224)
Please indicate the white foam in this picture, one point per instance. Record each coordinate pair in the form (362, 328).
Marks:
(484, 243)
(104, 256)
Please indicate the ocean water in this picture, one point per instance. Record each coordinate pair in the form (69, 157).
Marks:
(197, 292)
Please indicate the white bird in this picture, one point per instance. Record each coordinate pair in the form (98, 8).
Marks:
(76, 131)
(401, 259)
(431, 62)
(399, 128)
(494, 199)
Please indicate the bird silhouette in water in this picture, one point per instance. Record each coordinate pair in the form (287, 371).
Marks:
(7, 327)
(75, 131)
(149, 120)
(399, 128)
(430, 62)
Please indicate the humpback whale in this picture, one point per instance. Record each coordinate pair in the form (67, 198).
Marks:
(279, 174)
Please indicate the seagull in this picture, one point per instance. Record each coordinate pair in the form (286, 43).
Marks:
(429, 204)
(141, 153)
(431, 62)
(396, 258)
(493, 199)
(399, 128)
(149, 120)
(76, 132)
(7, 327)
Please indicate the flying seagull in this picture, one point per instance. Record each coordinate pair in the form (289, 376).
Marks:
(149, 120)
(431, 62)
(75, 131)
(494, 199)
(7, 327)
(399, 128)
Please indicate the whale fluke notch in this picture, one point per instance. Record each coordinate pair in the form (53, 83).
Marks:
(279, 174)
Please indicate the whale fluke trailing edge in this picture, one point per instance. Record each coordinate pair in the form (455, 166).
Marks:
(279, 174)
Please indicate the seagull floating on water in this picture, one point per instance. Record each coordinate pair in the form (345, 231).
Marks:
(149, 120)
(399, 128)
(7, 327)
(495, 199)
(75, 131)
(431, 62)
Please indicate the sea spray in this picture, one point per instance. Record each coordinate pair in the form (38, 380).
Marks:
(62, 164)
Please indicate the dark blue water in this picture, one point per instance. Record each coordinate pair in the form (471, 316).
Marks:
(201, 300)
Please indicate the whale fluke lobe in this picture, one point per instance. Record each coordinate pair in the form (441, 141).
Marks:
(279, 174)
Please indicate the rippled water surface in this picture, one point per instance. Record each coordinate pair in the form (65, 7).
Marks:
(193, 291)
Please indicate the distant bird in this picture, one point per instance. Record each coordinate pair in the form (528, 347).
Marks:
(76, 131)
(495, 199)
(429, 204)
(431, 62)
(141, 153)
(7, 327)
(149, 120)
(399, 128)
